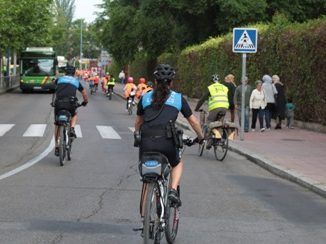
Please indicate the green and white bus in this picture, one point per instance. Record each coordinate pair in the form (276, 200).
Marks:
(38, 69)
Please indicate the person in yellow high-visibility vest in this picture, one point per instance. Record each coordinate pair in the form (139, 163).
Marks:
(218, 103)
(217, 95)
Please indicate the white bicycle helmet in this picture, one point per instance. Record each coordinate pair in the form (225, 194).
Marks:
(215, 77)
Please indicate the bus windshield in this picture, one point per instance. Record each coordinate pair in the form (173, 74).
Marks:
(38, 66)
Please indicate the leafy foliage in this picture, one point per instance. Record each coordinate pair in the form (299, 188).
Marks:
(24, 23)
(155, 27)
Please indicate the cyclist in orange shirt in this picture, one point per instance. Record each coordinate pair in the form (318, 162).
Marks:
(148, 88)
(141, 87)
(130, 90)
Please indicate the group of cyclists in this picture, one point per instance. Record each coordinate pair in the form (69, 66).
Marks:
(157, 112)
(132, 91)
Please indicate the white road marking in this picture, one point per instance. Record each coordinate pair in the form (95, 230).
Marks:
(30, 162)
(35, 130)
(107, 132)
(78, 131)
(4, 128)
(132, 129)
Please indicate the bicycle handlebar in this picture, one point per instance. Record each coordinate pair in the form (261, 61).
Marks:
(190, 142)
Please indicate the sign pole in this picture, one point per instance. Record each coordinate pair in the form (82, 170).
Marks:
(244, 62)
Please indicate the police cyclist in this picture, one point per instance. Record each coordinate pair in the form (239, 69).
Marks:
(157, 111)
(65, 98)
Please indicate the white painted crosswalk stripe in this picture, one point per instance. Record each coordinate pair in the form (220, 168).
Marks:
(4, 128)
(78, 131)
(107, 132)
(35, 130)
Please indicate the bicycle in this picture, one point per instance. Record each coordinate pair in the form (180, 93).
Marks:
(131, 104)
(64, 140)
(110, 92)
(216, 134)
(160, 216)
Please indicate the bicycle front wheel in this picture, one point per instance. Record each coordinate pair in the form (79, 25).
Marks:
(201, 148)
(151, 231)
(172, 221)
(62, 145)
(221, 146)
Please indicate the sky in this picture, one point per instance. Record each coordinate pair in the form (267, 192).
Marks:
(85, 9)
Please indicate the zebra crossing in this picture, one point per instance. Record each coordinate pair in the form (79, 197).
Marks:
(38, 130)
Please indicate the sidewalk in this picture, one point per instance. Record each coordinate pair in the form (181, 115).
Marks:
(294, 154)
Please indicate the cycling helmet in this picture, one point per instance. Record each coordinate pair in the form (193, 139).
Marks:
(70, 70)
(130, 79)
(150, 84)
(215, 77)
(164, 72)
(142, 80)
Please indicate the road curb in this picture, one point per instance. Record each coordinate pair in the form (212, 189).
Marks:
(278, 170)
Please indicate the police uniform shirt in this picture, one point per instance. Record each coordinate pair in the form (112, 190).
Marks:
(174, 104)
(67, 86)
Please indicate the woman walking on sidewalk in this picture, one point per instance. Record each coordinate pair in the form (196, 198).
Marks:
(257, 104)
(280, 101)
(270, 92)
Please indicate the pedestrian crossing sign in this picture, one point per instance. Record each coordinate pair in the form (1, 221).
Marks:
(244, 40)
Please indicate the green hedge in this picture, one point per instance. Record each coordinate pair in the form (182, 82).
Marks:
(296, 52)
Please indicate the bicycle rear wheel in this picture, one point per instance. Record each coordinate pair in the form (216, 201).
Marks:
(130, 109)
(151, 231)
(172, 221)
(69, 145)
(221, 146)
(62, 145)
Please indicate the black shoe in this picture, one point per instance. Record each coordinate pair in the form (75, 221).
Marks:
(174, 197)
(72, 132)
(56, 151)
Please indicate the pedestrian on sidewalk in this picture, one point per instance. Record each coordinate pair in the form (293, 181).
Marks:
(290, 113)
(229, 83)
(270, 92)
(122, 77)
(257, 105)
(280, 101)
(238, 102)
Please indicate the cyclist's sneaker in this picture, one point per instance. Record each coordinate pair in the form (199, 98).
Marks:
(56, 151)
(72, 132)
(174, 197)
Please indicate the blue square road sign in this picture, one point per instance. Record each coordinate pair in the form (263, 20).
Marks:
(244, 40)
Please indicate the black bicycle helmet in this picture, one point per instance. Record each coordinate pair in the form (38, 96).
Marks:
(164, 73)
(70, 70)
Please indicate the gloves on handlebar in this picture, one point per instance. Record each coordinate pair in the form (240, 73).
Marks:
(84, 103)
(188, 142)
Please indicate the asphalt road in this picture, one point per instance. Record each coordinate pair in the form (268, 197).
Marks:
(95, 197)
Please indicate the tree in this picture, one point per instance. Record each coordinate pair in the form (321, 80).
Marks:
(24, 23)
(153, 26)
(63, 11)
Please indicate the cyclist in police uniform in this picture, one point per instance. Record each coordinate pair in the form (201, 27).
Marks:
(157, 110)
(217, 95)
(65, 98)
